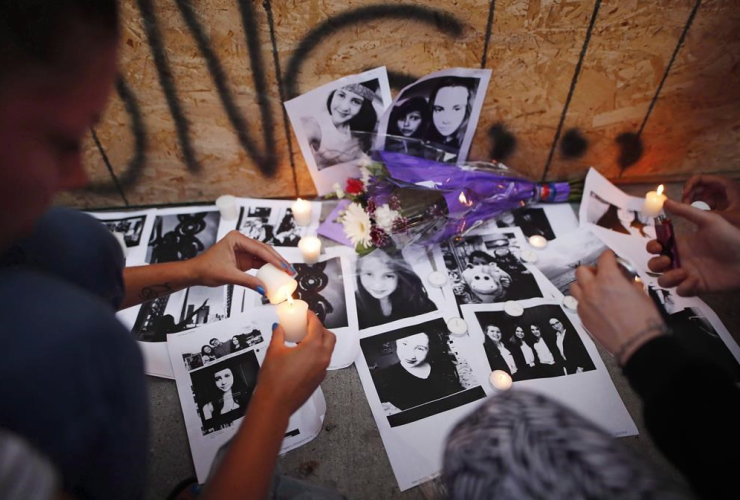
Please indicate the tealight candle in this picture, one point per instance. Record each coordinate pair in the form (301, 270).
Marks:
(310, 247)
(654, 202)
(227, 206)
(278, 284)
(500, 380)
(538, 241)
(292, 317)
(301, 212)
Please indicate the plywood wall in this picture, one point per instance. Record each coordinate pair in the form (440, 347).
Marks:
(638, 89)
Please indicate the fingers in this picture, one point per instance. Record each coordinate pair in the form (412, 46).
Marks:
(654, 247)
(695, 215)
(607, 263)
(576, 291)
(688, 287)
(237, 277)
(278, 336)
(692, 185)
(585, 275)
(673, 278)
(259, 250)
(659, 264)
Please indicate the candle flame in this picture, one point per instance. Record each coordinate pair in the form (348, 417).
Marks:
(660, 189)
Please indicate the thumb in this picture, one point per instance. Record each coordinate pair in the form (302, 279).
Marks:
(695, 215)
(278, 335)
(240, 278)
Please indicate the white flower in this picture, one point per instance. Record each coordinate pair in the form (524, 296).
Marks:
(338, 190)
(384, 217)
(365, 173)
(364, 161)
(356, 223)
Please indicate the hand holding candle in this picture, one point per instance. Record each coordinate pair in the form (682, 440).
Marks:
(654, 202)
(278, 285)
(301, 212)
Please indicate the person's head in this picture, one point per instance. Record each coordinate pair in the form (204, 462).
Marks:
(206, 350)
(413, 351)
(214, 343)
(224, 379)
(410, 118)
(235, 341)
(57, 68)
(480, 258)
(493, 332)
(519, 332)
(556, 325)
(353, 105)
(535, 331)
(451, 104)
(379, 274)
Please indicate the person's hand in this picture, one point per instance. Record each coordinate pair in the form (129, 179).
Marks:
(710, 256)
(225, 262)
(720, 193)
(292, 374)
(616, 311)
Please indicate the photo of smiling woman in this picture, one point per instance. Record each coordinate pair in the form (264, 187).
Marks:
(339, 133)
(388, 289)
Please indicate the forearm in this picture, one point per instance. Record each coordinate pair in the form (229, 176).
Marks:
(144, 283)
(691, 410)
(246, 471)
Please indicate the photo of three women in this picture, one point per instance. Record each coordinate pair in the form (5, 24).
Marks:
(541, 343)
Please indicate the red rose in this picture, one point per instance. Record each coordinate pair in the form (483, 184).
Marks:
(355, 186)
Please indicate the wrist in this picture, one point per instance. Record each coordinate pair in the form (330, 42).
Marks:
(270, 403)
(654, 328)
(192, 271)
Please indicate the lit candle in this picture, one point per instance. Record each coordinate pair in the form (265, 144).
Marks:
(310, 247)
(292, 317)
(500, 380)
(278, 284)
(301, 212)
(538, 241)
(227, 206)
(654, 202)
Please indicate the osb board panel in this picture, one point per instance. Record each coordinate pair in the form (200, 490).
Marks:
(630, 48)
(695, 126)
(533, 52)
(403, 45)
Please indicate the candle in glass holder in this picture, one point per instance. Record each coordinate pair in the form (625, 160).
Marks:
(292, 317)
(278, 284)
(500, 380)
(310, 247)
(301, 212)
(654, 202)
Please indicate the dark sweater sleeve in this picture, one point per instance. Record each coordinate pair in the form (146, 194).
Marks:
(692, 412)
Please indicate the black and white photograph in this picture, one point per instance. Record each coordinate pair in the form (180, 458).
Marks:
(182, 236)
(621, 220)
(388, 289)
(180, 311)
(436, 116)
(690, 326)
(272, 226)
(322, 287)
(222, 390)
(532, 221)
(417, 372)
(218, 346)
(130, 227)
(560, 259)
(487, 268)
(336, 124)
(540, 343)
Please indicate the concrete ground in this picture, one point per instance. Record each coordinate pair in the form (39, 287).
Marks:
(348, 454)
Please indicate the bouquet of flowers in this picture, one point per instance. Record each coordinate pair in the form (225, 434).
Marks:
(402, 200)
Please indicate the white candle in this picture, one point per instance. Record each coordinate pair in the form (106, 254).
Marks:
(538, 241)
(310, 247)
(292, 317)
(301, 212)
(654, 202)
(227, 206)
(278, 284)
(500, 380)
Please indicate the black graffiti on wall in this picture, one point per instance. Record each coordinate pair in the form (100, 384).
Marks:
(503, 142)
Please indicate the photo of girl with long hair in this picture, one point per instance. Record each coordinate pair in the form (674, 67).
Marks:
(407, 126)
(388, 289)
(342, 132)
(222, 390)
(415, 366)
(450, 104)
